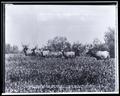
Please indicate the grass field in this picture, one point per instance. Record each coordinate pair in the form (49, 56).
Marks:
(36, 74)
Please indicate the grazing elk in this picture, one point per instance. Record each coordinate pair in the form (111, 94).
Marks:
(70, 54)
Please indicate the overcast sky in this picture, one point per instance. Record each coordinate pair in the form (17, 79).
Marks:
(36, 24)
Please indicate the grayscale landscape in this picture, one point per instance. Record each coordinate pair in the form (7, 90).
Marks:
(60, 48)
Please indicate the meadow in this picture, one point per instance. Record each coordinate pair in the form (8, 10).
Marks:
(31, 74)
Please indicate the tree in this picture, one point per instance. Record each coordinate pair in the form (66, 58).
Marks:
(109, 38)
(78, 48)
(15, 49)
(7, 48)
(67, 46)
(11, 49)
(96, 42)
(58, 44)
(99, 46)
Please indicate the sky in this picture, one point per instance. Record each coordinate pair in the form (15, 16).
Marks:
(36, 24)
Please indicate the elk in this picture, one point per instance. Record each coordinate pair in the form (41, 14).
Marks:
(56, 54)
(103, 54)
(45, 53)
(27, 51)
(98, 54)
(38, 52)
(25, 48)
(33, 51)
(69, 54)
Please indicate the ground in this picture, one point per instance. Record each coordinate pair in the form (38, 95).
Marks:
(32, 74)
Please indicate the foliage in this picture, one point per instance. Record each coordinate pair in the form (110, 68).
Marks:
(11, 49)
(85, 72)
(78, 48)
(110, 41)
(58, 43)
(96, 42)
(101, 47)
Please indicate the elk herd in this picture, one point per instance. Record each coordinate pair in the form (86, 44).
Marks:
(69, 54)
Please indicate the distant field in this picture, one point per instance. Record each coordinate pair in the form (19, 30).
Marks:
(36, 74)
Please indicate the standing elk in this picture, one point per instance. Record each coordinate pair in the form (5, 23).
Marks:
(99, 55)
(48, 53)
(25, 49)
(103, 54)
(29, 52)
(45, 53)
(33, 51)
(56, 54)
(70, 54)
(38, 52)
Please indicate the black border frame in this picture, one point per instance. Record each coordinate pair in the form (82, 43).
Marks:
(61, 2)
(38, 3)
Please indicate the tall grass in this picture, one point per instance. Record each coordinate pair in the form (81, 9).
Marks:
(87, 73)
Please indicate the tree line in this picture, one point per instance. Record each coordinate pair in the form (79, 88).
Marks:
(11, 49)
(61, 43)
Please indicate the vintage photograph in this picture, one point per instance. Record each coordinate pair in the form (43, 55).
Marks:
(61, 48)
